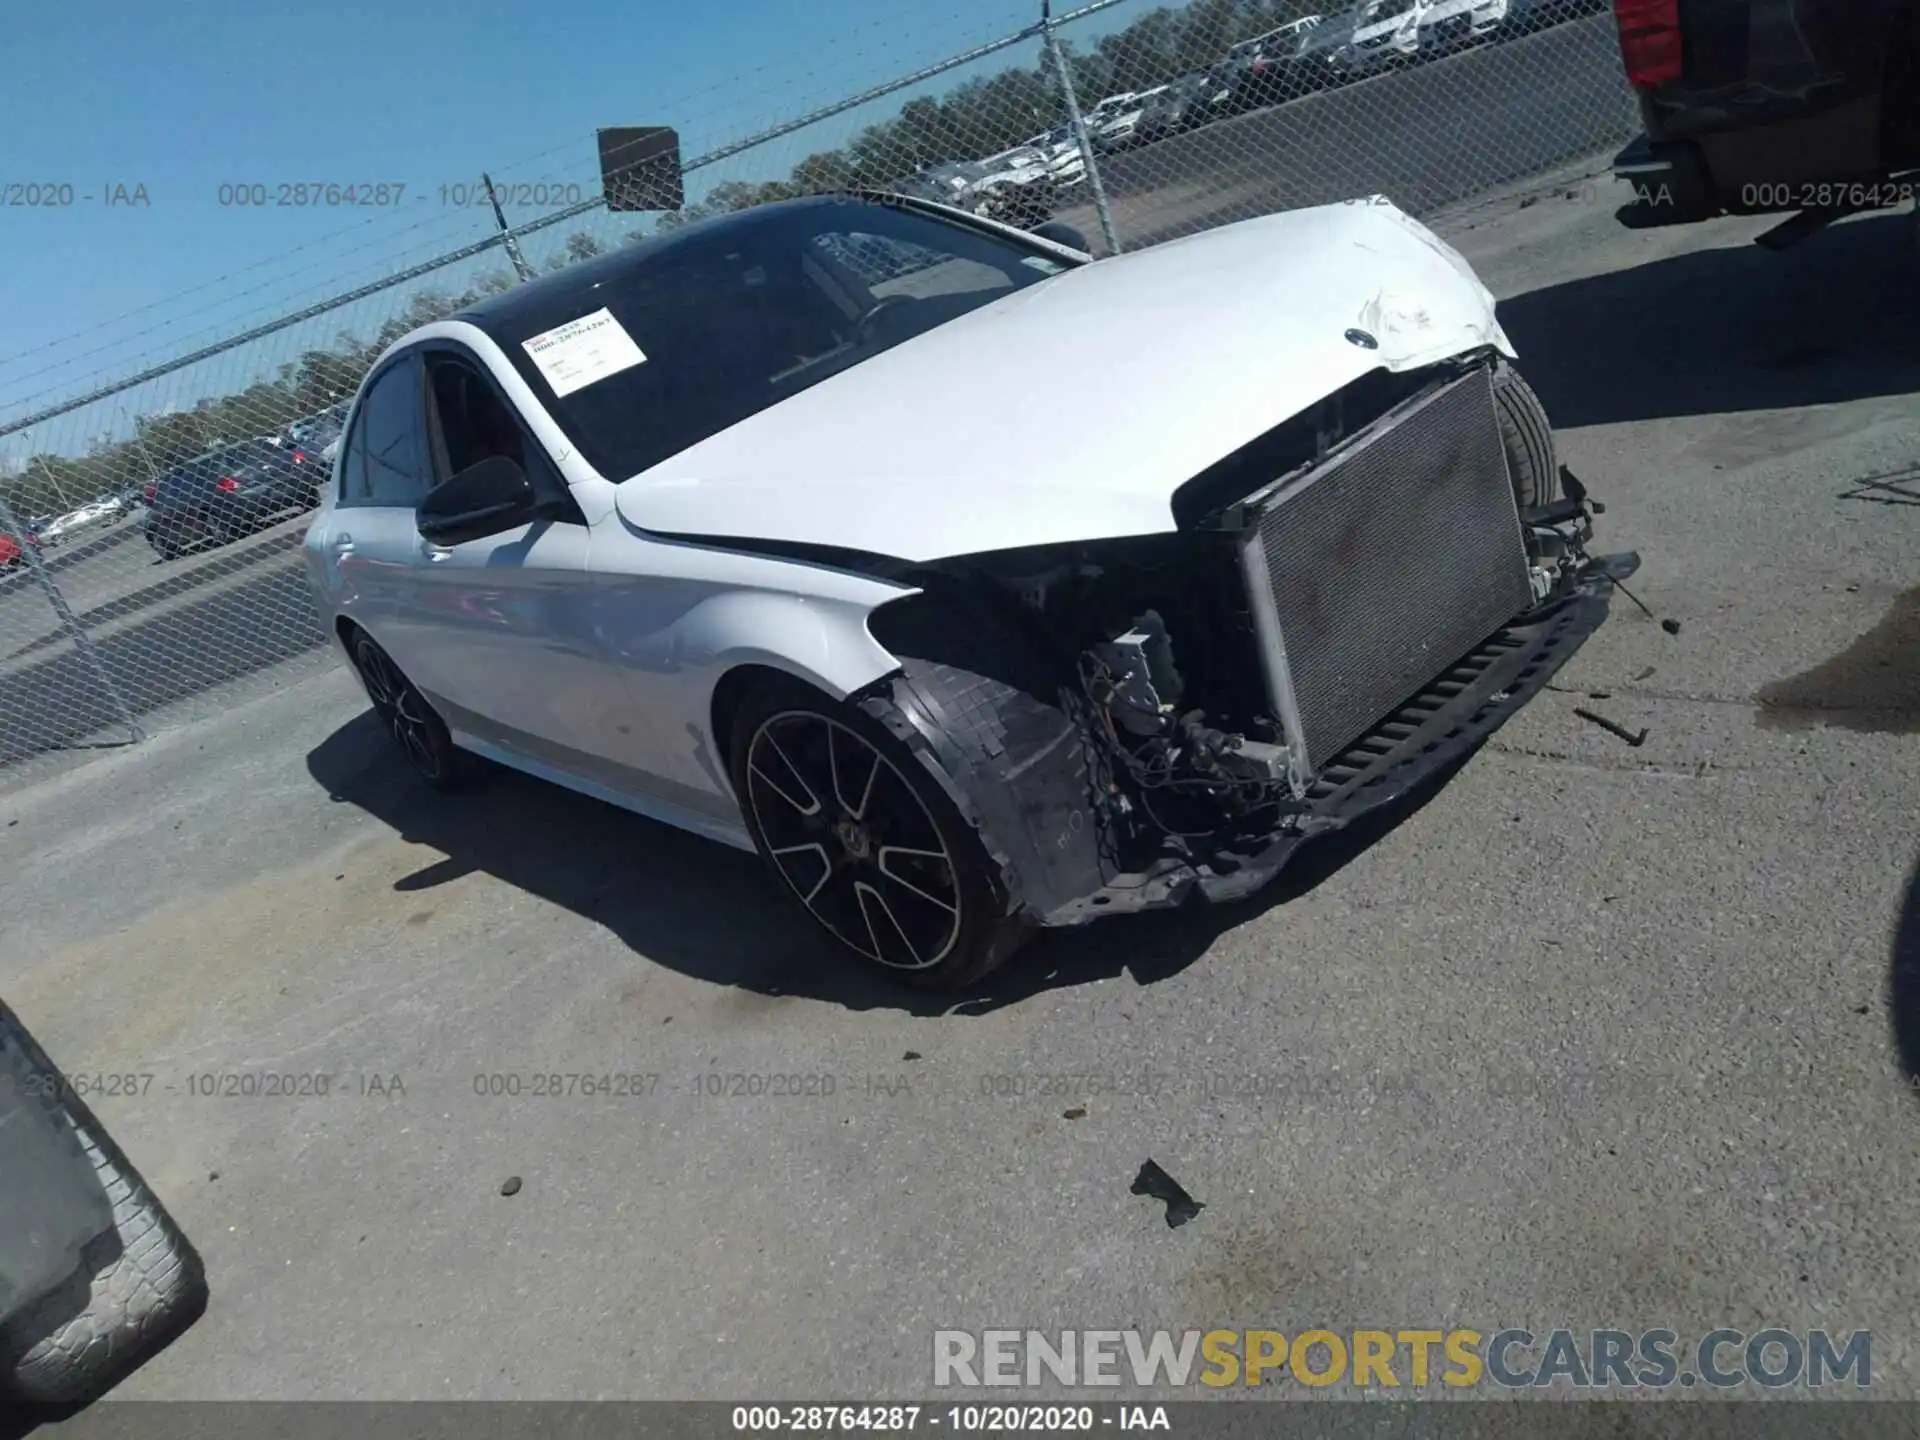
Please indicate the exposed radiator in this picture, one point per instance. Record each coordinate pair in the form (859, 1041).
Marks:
(1374, 572)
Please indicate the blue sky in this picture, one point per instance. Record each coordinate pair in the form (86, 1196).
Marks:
(186, 97)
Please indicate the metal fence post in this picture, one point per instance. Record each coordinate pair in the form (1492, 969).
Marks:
(520, 266)
(1058, 58)
(70, 622)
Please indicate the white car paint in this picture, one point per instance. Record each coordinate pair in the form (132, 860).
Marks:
(1380, 38)
(1119, 128)
(1063, 158)
(1015, 168)
(77, 519)
(1487, 16)
(617, 640)
(1277, 294)
(1109, 110)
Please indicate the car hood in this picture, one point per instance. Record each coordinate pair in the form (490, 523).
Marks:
(967, 439)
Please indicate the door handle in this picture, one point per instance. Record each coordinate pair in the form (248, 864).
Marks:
(343, 544)
(433, 551)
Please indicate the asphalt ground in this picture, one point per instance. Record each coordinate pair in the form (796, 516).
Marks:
(1596, 1035)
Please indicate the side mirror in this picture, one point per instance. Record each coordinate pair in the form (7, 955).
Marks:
(483, 499)
(1062, 233)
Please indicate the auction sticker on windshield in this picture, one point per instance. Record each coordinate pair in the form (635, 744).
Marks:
(574, 355)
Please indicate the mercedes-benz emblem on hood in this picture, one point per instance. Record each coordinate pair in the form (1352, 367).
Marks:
(1363, 340)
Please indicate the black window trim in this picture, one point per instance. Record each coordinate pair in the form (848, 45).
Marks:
(354, 433)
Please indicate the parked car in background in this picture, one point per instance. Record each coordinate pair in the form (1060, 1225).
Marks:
(12, 551)
(1279, 71)
(1386, 35)
(1121, 130)
(1185, 104)
(317, 431)
(1326, 55)
(1022, 194)
(228, 492)
(1106, 111)
(1450, 25)
(1281, 40)
(63, 526)
(1807, 105)
(739, 559)
(1061, 149)
(1016, 186)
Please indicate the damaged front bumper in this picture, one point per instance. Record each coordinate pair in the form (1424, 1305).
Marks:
(1426, 735)
(1031, 801)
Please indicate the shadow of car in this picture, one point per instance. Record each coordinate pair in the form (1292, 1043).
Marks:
(704, 909)
(1682, 335)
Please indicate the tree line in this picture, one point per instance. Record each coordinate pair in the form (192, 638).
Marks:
(980, 116)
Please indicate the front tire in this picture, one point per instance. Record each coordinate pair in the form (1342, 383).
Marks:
(419, 732)
(866, 841)
(1527, 435)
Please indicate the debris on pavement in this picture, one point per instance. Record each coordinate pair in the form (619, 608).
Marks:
(1076, 1113)
(911, 1055)
(1672, 627)
(1153, 1181)
(510, 1186)
(1633, 738)
(1646, 674)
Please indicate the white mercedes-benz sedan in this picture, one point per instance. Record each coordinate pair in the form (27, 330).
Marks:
(781, 528)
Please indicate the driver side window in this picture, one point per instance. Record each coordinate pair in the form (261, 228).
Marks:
(470, 422)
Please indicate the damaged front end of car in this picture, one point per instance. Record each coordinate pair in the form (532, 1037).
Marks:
(1349, 605)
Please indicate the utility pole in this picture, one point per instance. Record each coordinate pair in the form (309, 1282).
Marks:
(520, 266)
(1081, 139)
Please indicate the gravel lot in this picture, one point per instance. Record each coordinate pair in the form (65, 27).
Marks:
(1596, 1036)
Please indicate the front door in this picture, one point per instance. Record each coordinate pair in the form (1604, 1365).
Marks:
(500, 630)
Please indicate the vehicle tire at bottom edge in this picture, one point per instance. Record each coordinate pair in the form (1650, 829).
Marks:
(139, 1283)
(936, 921)
(1527, 435)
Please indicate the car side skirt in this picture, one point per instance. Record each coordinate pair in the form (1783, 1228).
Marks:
(585, 774)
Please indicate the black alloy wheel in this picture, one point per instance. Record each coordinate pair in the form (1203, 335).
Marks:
(865, 838)
(858, 847)
(421, 735)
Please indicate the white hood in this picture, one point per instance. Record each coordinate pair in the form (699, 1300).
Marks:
(1073, 409)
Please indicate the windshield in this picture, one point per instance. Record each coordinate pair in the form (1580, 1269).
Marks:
(724, 321)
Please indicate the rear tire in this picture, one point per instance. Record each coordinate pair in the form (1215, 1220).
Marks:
(854, 828)
(412, 723)
(140, 1283)
(1527, 435)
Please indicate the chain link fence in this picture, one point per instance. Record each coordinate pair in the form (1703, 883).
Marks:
(151, 522)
